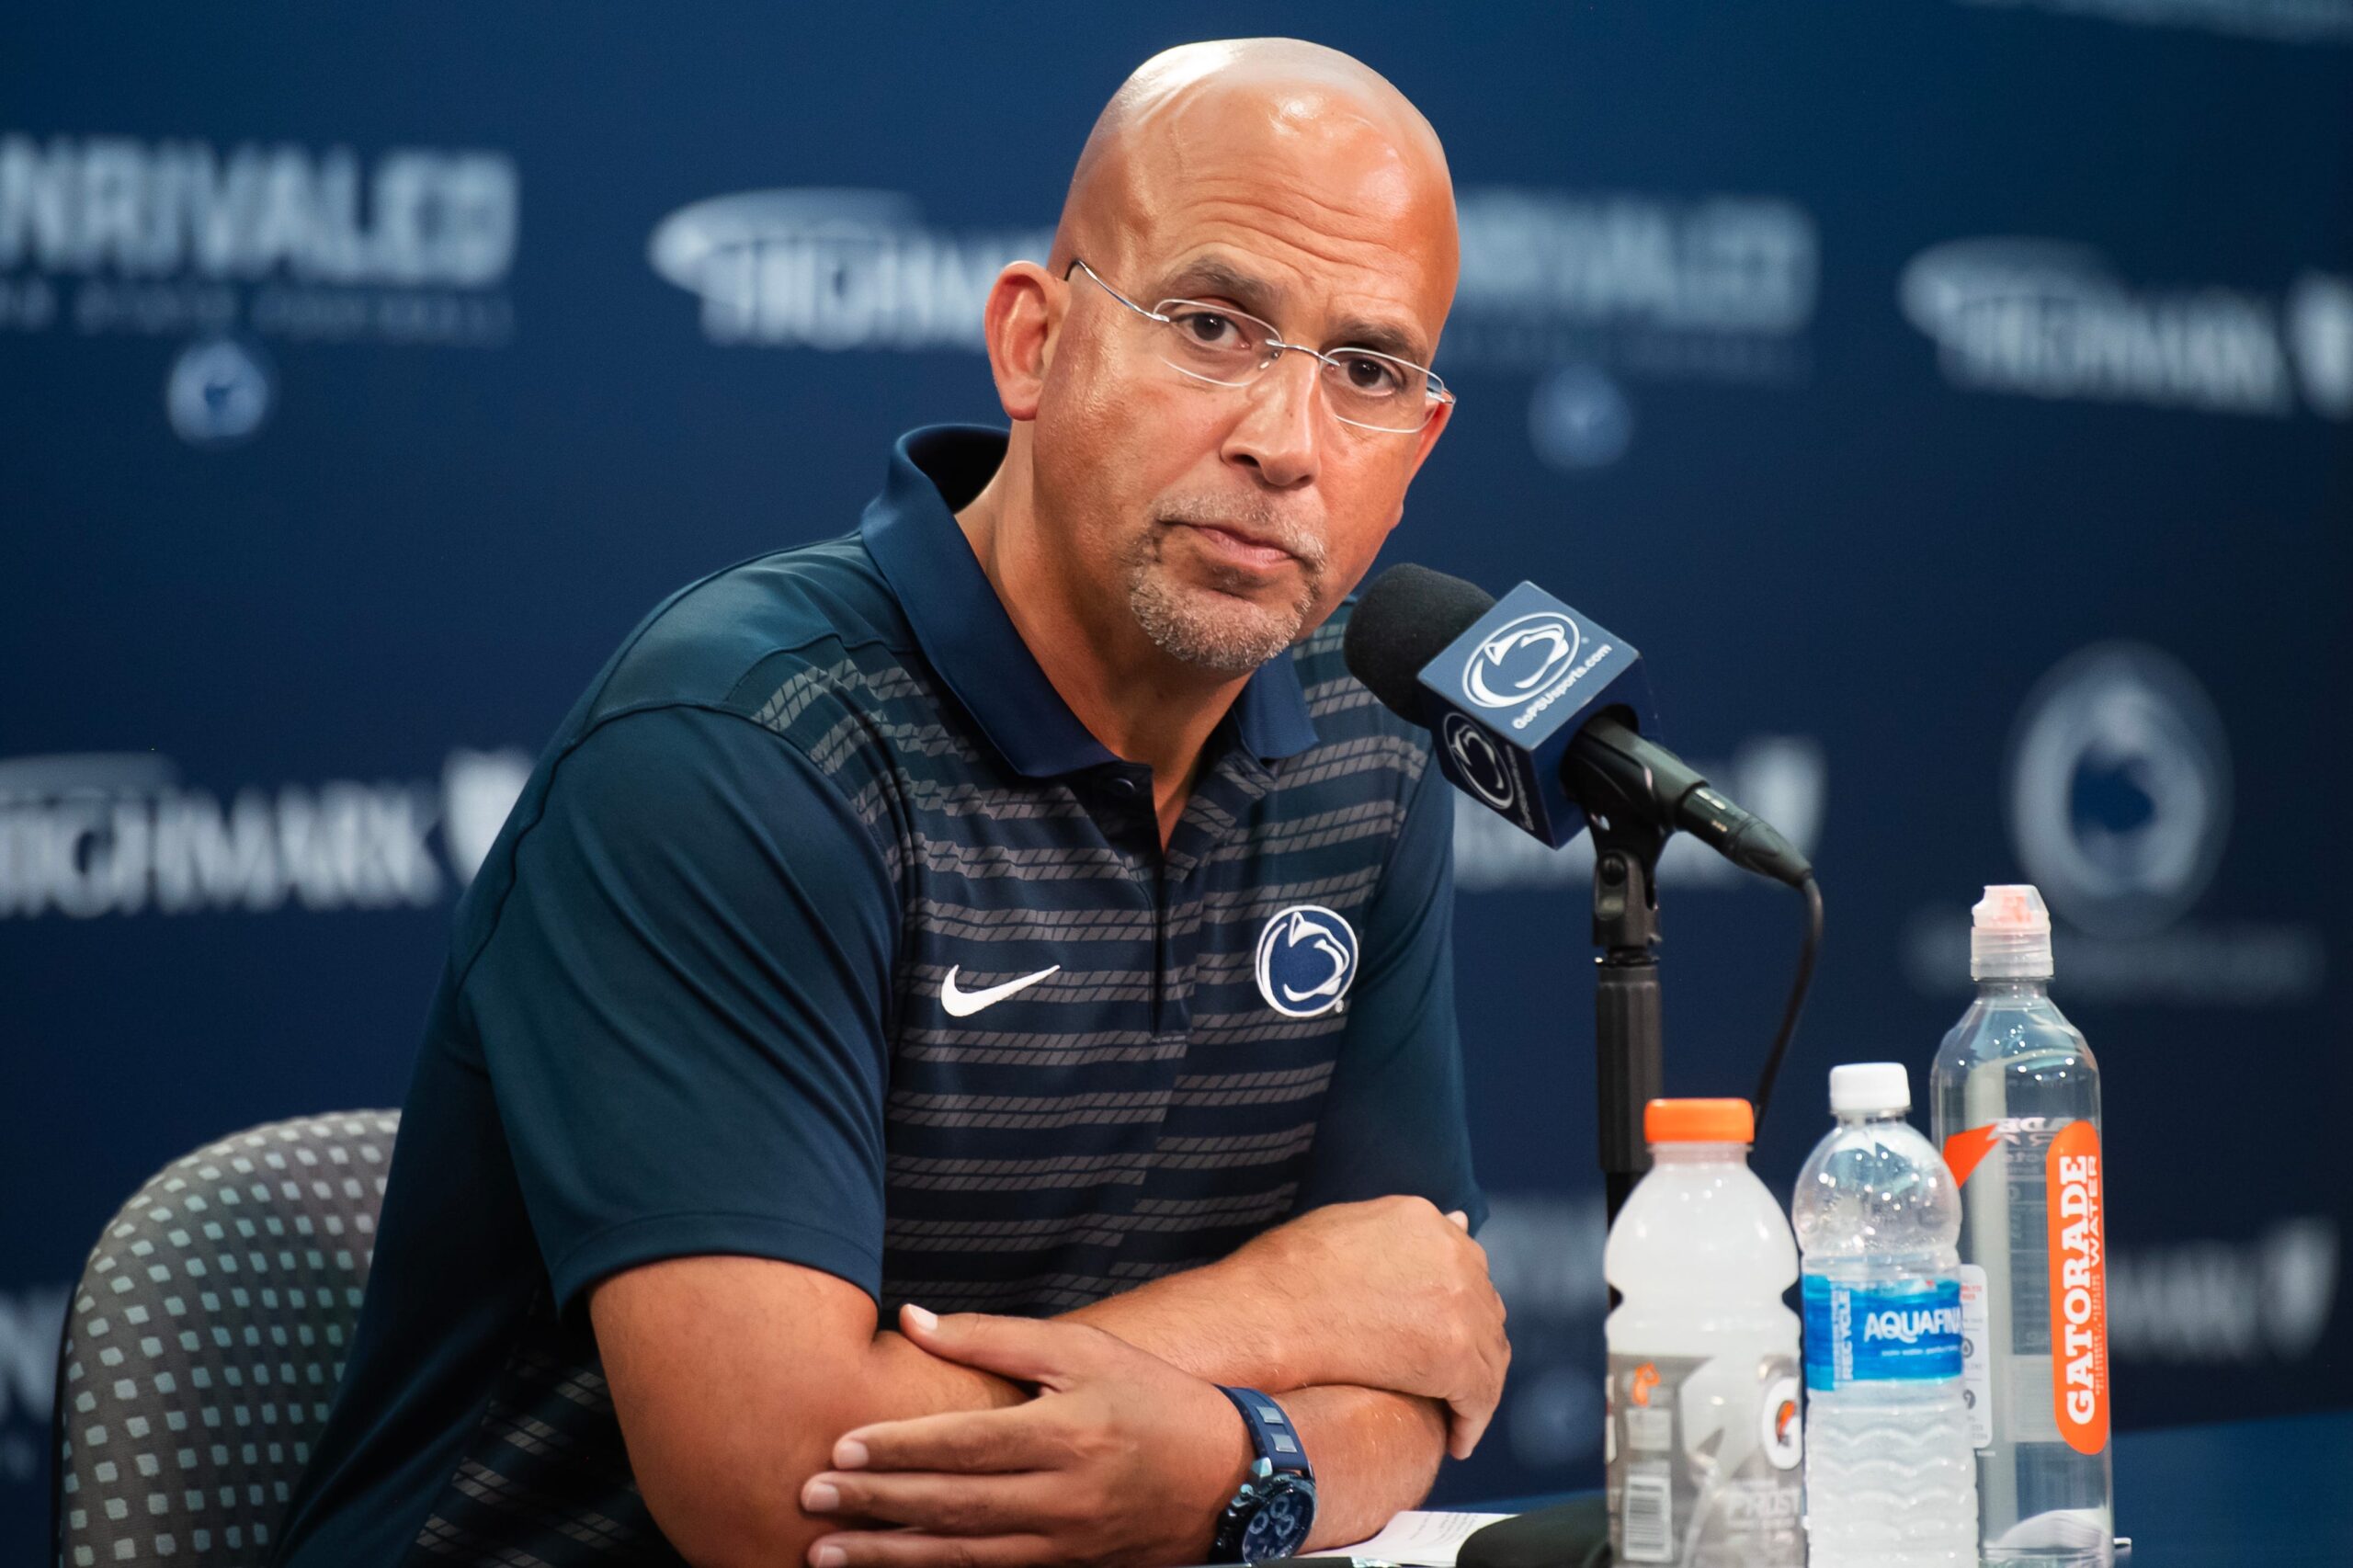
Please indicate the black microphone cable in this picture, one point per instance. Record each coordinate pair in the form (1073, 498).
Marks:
(1809, 949)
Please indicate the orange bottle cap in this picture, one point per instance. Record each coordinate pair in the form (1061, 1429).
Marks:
(1699, 1121)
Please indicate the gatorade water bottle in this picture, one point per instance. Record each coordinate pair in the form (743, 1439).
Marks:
(2016, 1112)
(1703, 1437)
(1888, 1478)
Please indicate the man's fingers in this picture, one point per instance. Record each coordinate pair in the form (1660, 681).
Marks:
(913, 1549)
(1467, 1418)
(1496, 1358)
(1028, 1350)
(1469, 1413)
(965, 1441)
(1461, 1219)
(1463, 1429)
(941, 1505)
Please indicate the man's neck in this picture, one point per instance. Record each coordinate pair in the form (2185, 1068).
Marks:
(1141, 704)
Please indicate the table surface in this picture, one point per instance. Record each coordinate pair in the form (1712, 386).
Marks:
(2275, 1493)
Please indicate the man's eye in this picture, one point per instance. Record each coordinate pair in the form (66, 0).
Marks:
(1208, 329)
(1367, 374)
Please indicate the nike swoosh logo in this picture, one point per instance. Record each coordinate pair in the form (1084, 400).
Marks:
(964, 1004)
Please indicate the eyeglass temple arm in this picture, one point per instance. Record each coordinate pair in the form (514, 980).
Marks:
(1078, 264)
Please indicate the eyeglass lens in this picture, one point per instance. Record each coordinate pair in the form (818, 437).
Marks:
(1362, 387)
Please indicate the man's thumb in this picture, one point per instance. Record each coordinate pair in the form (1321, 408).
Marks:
(1022, 1348)
(1462, 1219)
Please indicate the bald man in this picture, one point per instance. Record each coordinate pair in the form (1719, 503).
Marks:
(952, 1059)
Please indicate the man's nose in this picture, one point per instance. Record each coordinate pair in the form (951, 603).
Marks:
(1281, 432)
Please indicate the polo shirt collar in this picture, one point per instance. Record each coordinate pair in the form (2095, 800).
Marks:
(910, 529)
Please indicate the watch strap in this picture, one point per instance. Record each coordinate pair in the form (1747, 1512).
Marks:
(1280, 1486)
(1271, 1433)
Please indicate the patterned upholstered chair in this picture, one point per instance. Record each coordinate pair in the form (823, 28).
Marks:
(206, 1341)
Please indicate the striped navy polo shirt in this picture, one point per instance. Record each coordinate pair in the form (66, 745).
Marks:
(824, 932)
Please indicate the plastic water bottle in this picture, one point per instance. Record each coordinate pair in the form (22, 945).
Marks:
(1890, 1480)
(2016, 1112)
(1704, 1433)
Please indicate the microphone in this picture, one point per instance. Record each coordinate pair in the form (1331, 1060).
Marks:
(1540, 714)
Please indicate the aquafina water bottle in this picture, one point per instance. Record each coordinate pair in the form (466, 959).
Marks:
(1890, 1476)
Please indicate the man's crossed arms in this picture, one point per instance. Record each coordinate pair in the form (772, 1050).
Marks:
(770, 1419)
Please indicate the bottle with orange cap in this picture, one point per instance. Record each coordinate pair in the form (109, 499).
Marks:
(1704, 1435)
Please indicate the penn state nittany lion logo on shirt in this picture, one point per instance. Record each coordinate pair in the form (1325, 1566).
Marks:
(1307, 959)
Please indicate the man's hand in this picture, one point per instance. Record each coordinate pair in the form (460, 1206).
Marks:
(1396, 1297)
(1121, 1458)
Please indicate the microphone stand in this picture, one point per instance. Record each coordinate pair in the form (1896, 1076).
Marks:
(1629, 1053)
(1627, 1049)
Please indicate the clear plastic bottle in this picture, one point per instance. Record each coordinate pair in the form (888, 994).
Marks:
(1890, 1480)
(1705, 1432)
(2016, 1112)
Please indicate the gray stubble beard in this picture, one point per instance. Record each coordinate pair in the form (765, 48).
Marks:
(1223, 632)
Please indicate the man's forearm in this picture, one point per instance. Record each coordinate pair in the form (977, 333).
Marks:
(1387, 1293)
(1225, 1329)
(1374, 1452)
(1227, 1321)
(1217, 1323)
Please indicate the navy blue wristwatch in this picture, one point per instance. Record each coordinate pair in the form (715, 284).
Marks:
(1271, 1514)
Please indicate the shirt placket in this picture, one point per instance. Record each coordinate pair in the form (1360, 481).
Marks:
(1216, 812)
(1216, 815)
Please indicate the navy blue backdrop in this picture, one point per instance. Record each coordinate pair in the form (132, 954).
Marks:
(1953, 399)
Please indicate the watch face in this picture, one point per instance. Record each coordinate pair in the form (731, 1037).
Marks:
(1286, 1513)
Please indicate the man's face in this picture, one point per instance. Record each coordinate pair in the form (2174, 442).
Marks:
(1230, 520)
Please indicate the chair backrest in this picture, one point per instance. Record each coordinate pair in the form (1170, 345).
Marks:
(206, 1341)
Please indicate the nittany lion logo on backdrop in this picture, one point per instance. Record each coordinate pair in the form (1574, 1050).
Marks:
(1307, 958)
(2120, 789)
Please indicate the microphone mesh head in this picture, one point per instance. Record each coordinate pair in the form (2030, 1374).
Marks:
(1406, 619)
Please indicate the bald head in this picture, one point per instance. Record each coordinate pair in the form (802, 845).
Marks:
(1195, 515)
(1280, 126)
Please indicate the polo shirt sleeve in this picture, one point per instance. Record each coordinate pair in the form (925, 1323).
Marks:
(682, 1006)
(1393, 1120)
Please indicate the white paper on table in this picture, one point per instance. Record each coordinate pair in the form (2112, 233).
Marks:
(1426, 1540)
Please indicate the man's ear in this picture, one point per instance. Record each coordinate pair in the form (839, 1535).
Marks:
(1023, 313)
